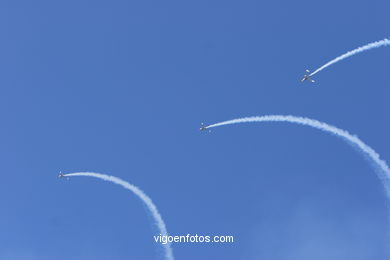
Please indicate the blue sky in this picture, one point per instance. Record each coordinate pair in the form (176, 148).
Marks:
(121, 87)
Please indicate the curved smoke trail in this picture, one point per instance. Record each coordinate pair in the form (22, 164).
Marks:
(383, 175)
(148, 202)
(367, 47)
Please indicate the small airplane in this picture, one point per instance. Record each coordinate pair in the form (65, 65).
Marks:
(307, 77)
(203, 127)
(62, 175)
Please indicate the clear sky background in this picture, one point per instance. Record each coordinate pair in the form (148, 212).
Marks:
(121, 87)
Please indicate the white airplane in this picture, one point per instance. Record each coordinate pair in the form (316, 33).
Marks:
(62, 175)
(307, 77)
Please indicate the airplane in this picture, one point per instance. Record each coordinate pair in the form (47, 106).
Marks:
(60, 175)
(203, 127)
(307, 77)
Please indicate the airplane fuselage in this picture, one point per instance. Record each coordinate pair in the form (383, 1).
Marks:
(307, 77)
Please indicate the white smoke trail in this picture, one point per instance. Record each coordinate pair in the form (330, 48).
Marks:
(384, 174)
(148, 202)
(367, 47)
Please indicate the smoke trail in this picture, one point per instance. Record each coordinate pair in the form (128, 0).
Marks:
(367, 47)
(383, 175)
(148, 202)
